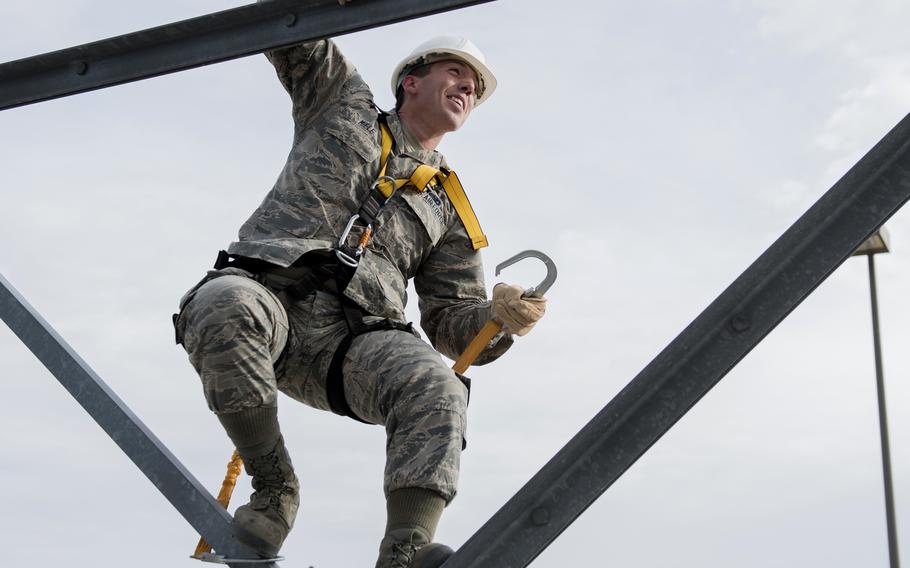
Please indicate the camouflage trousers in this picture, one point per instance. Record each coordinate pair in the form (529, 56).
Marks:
(247, 345)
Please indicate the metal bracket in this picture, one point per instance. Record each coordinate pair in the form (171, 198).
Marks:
(219, 559)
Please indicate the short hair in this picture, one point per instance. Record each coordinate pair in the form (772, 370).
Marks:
(419, 71)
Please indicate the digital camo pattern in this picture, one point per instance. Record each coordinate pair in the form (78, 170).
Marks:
(332, 165)
(234, 329)
(394, 378)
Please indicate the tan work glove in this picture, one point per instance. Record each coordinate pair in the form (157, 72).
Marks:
(517, 315)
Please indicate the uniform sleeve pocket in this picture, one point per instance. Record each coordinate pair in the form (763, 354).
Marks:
(428, 207)
(357, 131)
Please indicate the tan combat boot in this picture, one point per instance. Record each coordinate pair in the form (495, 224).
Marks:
(266, 520)
(411, 548)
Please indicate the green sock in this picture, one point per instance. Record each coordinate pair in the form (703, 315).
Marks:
(254, 431)
(414, 507)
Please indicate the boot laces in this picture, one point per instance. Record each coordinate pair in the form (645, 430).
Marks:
(403, 554)
(269, 478)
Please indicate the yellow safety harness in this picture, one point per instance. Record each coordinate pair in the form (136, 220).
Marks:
(423, 177)
(427, 176)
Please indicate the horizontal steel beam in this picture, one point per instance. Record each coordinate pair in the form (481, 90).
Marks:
(177, 484)
(810, 250)
(199, 41)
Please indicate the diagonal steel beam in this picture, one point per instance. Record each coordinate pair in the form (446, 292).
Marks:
(810, 250)
(199, 41)
(177, 484)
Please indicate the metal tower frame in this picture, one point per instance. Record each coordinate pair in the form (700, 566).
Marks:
(731, 326)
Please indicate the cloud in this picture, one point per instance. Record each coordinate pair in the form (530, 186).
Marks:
(789, 195)
(852, 28)
(870, 108)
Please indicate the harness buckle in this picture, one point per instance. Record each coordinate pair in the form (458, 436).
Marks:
(388, 179)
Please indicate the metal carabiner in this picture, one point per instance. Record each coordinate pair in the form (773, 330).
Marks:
(541, 289)
(342, 240)
(354, 261)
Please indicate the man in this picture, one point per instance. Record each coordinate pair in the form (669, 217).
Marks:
(310, 299)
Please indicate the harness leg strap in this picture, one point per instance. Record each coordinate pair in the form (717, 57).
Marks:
(334, 385)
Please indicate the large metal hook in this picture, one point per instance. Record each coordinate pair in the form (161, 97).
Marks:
(541, 289)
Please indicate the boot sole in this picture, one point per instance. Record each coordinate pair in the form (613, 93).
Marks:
(262, 548)
(433, 556)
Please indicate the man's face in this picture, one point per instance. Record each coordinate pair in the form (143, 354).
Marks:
(445, 96)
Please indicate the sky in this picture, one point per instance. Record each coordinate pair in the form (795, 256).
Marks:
(652, 149)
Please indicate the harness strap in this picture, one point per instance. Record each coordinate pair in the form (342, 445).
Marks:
(334, 382)
(462, 205)
(387, 140)
(424, 176)
(334, 385)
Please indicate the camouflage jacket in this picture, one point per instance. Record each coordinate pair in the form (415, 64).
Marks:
(328, 175)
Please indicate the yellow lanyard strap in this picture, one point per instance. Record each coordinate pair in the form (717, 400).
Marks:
(459, 199)
(224, 496)
(420, 178)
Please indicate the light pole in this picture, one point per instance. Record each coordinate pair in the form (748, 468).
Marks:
(875, 244)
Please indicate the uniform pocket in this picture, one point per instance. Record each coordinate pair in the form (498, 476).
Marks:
(428, 207)
(356, 131)
(177, 320)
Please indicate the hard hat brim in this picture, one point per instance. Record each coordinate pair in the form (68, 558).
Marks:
(484, 74)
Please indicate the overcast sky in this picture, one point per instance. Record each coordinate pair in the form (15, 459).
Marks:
(653, 149)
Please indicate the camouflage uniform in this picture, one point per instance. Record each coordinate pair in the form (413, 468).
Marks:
(247, 342)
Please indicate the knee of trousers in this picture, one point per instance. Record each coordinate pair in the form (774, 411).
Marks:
(426, 437)
(432, 407)
(234, 330)
(433, 390)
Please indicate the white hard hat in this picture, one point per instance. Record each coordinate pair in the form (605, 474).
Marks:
(449, 47)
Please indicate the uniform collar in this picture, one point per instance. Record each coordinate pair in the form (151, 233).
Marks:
(408, 144)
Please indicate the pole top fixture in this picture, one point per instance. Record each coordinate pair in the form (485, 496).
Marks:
(878, 242)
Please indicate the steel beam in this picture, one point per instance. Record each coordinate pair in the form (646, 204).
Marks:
(177, 484)
(199, 41)
(810, 250)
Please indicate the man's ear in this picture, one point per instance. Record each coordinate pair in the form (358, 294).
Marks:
(409, 84)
